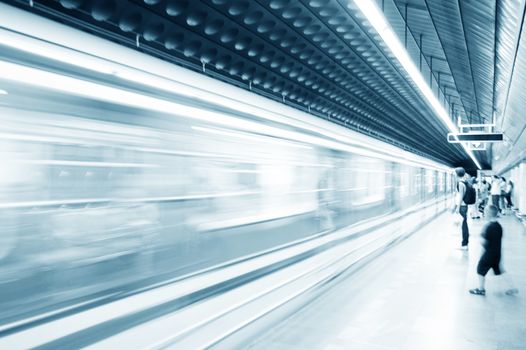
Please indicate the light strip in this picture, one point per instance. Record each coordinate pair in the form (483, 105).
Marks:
(43, 49)
(263, 139)
(190, 91)
(62, 41)
(3, 92)
(376, 18)
(70, 85)
(168, 81)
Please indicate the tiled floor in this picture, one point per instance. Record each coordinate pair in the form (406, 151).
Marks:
(415, 296)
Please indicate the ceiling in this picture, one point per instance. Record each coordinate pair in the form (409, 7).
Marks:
(510, 95)
(323, 57)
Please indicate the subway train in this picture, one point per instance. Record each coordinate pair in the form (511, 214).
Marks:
(113, 181)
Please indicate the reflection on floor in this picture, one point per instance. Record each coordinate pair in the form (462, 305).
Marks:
(415, 296)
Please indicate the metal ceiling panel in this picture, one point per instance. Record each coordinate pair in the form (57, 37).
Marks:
(478, 19)
(429, 53)
(510, 14)
(447, 20)
(510, 82)
(514, 121)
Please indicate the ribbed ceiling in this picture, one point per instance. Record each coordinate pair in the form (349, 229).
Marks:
(456, 39)
(321, 56)
(511, 79)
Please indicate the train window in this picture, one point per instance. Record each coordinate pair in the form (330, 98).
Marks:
(441, 182)
(417, 181)
(404, 184)
(276, 177)
(368, 181)
(430, 183)
(243, 175)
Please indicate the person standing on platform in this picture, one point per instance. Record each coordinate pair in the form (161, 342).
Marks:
(483, 196)
(473, 209)
(461, 207)
(502, 202)
(495, 192)
(509, 192)
(490, 259)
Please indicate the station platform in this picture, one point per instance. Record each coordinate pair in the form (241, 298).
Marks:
(415, 296)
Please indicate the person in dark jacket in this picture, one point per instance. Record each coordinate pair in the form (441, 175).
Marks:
(509, 192)
(490, 259)
(461, 208)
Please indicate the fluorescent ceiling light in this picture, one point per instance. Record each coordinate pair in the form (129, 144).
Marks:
(187, 88)
(376, 18)
(245, 136)
(100, 64)
(41, 48)
(88, 89)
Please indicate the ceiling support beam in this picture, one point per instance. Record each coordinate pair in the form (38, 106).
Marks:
(462, 104)
(469, 57)
(421, 42)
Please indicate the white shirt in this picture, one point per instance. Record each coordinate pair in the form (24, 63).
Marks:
(495, 187)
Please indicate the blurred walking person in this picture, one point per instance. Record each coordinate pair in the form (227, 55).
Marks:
(490, 259)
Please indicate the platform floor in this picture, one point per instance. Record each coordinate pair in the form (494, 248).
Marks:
(415, 296)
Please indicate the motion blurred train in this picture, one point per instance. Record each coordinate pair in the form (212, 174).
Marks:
(121, 170)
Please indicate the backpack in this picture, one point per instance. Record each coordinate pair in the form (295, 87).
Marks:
(470, 196)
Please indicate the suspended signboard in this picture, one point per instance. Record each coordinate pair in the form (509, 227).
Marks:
(474, 137)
